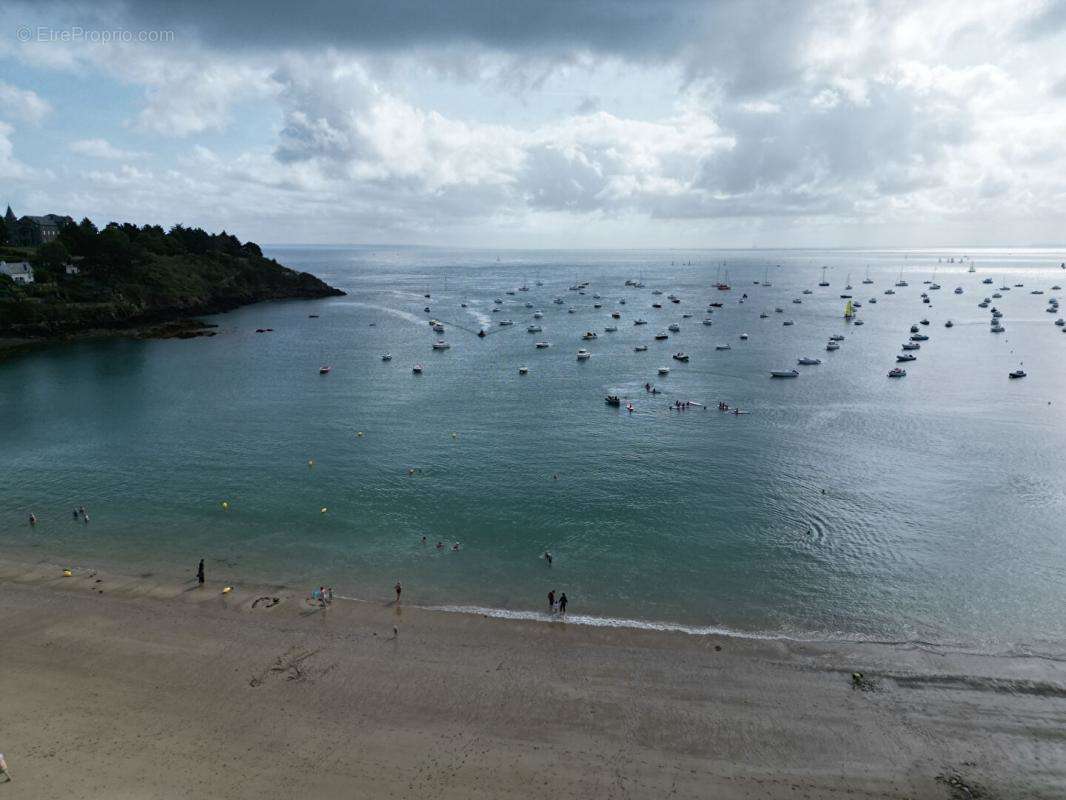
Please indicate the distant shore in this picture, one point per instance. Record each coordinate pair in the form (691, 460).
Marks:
(139, 686)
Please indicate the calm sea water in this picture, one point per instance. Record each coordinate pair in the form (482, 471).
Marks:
(844, 504)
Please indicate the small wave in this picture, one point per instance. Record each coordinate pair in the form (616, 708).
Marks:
(395, 312)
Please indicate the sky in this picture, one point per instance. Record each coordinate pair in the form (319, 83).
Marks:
(516, 123)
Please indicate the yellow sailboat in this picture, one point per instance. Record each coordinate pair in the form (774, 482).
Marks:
(849, 310)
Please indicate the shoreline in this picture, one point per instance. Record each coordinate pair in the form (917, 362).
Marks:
(201, 692)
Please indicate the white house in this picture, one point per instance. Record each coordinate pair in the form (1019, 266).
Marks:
(18, 271)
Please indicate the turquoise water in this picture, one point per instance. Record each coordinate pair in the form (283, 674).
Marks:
(844, 504)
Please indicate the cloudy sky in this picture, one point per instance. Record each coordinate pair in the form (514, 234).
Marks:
(559, 123)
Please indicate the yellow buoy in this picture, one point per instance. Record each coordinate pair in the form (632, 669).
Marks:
(225, 505)
(310, 462)
(227, 590)
(360, 433)
(323, 510)
(67, 573)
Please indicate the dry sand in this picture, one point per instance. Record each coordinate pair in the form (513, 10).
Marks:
(139, 688)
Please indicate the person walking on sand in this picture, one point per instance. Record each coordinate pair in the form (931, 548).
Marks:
(329, 595)
(551, 600)
(562, 603)
(200, 573)
(398, 589)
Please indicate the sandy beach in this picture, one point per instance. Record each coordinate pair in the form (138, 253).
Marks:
(124, 687)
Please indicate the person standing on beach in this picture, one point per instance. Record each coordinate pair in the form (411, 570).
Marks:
(3, 768)
(562, 603)
(200, 573)
(399, 589)
(551, 600)
(548, 557)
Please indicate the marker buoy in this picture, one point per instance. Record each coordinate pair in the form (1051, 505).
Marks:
(225, 505)
(310, 462)
(323, 510)
(359, 434)
(67, 573)
(227, 590)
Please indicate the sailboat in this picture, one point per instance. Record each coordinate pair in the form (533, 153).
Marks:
(823, 281)
(847, 287)
(849, 310)
(867, 279)
(901, 282)
(766, 277)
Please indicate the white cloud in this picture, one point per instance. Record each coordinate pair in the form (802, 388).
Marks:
(101, 148)
(22, 105)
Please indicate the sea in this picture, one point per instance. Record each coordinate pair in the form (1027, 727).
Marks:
(842, 504)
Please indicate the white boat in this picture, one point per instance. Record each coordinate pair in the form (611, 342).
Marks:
(505, 322)
(832, 346)
(997, 328)
(890, 291)
(589, 335)
(611, 329)
(674, 327)
(523, 370)
(440, 344)
(897, 372)
(911, 346)
(1060, 322)
(906, 357)
(417, 369)
(1018, 373)
(583, 355)
(640, 348)
(807, 361)
(987, 280)
(743, 337)
(722, 347)
(438, 328)
(664, 370)
(781, 373)
(919, 337)
(386, 357)
(711, 321)
(534, 329)
(543, 345)
(538, 315)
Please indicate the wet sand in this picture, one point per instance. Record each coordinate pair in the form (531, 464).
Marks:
(124, 687)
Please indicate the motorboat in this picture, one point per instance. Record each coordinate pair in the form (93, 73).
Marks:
(743, 337)
(543, 345)
(958, 290)
(923, 321)
(911, 346)
(763, 315)
(640, 348)
(438, 328)
(807, 361)
(919, 337)
(781, 373)
(613, 400)
(1018, 373)
(529, 305)
(914, 328)
(664, 370)
(673, 328)
(832, 346)
(498, 300)
(583, 355)
(837, 337)
(872, 300)
(325, 370)
(615, 315)
(997, 296)
(788, 322)
(417, 369)
(722, 347)
(796, 300)
(523, 370)
(656, 305)
(386, 356)
(1060, 322)
(890, 291)
(711, 321)
(779, 310)
(859, 322)
(660, 336)
(538, 315)
(906, 357)
(897, 372)
(534, 329)
(588, 336)
(610, 329)
(949, 324)
(934, 286)
(440, 344)
(640, 322)
(683, 357)
(1037, 291)
(808, 291)
(997, 328)
(505, 322)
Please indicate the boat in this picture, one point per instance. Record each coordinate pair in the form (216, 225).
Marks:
(949, 324)
(788, 322)
(613, 400)
(656, 305)
(523, 370)
(849, 309)
(611, 329)
(906, 357)
(847, 283)
(417, 369)
(911, 346)
(674, 327)
(1037, 291)
(543, 345)
(808, 291)
(583, 355)
(711, 321)
(386, 356)
(1060, 322)
(498, 300)
(923, 321)
(781, 373)
(897, 372)
(664, 370)
(763, 315)
(743, 337)
(440, 344)
(934, 286)
(872, 300)
(1018, 373)
(901, 282)
(640, 322)
(832, 347)
(988, 281)
(796, 300)
(588, 335)
(958, 290)
(867, 279)
(997, 328)
(859, 322)
(640, 348)
(660, 336)
(807, 361)
(325, 370)
(615, 315)
(837, 337)
(722, 347)
(538, 315)
(438, 328)
(919, 337)
(890, 291)
(682, 357)
(534, 329)
(505, 322)
(823, 281)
